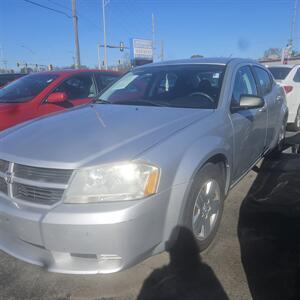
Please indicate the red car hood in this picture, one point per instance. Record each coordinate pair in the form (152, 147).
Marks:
(8, 106)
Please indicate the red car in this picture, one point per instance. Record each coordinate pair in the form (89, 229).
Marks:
(39, 94)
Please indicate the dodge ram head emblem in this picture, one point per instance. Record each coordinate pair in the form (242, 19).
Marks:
(9, 177)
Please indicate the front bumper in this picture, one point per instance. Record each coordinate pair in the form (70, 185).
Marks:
(83, 238)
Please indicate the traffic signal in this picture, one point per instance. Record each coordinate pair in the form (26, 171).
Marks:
(122, 46)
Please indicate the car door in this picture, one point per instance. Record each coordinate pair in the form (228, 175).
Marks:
(249, 125)
(104, 79)
(80, 89)
(273, 100)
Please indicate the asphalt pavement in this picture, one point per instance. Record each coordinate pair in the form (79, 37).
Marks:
(254, 256)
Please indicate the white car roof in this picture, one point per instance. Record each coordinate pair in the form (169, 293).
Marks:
(281, 66)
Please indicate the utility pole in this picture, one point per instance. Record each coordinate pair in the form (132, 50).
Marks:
(99, 58)
(293, 25)
(75, 25)
(162, 50)
(4, 62)
(104, 3)
(153, 36)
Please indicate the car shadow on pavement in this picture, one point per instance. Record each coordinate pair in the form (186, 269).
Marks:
(186, 276)
(269, 230)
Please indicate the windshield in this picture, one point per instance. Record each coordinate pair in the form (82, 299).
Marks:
(280, 73)
(189, 86)
(25, 88)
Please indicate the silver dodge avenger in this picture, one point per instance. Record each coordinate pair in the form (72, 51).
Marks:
(101, 187)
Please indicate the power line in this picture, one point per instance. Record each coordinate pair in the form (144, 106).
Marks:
(64, 13)
(49, 8)
(80, 15)
(60, 5)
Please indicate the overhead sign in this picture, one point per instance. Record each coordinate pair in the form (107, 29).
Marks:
(141, 49)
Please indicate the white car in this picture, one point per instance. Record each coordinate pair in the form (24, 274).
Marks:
(288, 76)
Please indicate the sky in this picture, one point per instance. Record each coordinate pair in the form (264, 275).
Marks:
(238, 28)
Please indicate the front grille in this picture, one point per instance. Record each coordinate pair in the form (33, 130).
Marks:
(3, 186)
(32, 184)
(3, 165)
(42, 174)
(35, 194)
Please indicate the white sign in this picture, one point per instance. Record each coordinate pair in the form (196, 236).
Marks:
(141, 49)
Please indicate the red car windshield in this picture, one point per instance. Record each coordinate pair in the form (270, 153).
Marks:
(25, 88)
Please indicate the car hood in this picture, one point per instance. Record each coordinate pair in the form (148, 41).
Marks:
(4, 107)
(93, 134)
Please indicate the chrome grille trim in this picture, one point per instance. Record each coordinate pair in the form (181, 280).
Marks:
(36, 194)
(33, 185)
(42, 174)
(40, 183)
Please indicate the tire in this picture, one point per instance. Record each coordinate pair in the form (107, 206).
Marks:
(296, 125)
(276, 152)
(281, 136)
(200, 204)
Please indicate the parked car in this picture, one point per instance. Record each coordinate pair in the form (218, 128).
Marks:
(39, 94)
(7, 78)
(99, 188)
(289, 77)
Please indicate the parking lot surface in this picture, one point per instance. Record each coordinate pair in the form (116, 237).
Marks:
(254, 256)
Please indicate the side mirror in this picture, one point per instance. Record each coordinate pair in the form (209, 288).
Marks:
(249, 102)
(57, 97)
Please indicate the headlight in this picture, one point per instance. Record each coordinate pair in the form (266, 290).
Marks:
(113, 182)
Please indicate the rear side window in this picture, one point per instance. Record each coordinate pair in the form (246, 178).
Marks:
(280, 73)
(264, 80)
(297, 76)
(104, 80)
(244, 84)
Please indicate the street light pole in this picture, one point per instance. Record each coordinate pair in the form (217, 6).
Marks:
(104, 3)
(75, 25)
(294, 19)
(153, 37)
(99, 58)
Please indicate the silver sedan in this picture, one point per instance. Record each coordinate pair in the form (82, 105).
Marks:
(101, 187)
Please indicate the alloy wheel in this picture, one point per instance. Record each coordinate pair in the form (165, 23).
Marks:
(206, 209)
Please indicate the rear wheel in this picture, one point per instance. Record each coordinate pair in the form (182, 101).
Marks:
(296, 125)
(205, 204)
(281, 136)
(276, 152)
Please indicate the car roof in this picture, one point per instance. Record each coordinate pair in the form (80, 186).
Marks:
(77, 71)
(281, 66)
(194, 61)
(12, 74)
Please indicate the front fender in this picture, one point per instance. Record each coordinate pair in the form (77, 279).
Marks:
(193, 159)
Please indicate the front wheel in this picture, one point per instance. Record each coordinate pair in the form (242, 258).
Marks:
(204, 208)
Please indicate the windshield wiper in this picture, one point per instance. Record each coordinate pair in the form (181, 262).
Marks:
(98, 100)
(139, 102)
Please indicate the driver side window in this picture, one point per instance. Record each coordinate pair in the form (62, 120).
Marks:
(78, 87)
(244, 84)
